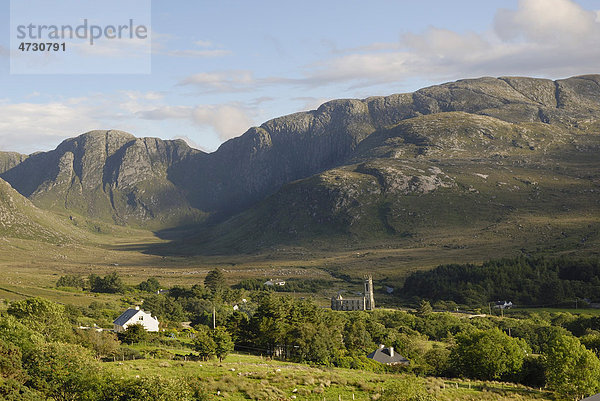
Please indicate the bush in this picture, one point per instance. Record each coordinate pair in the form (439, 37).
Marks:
(71, 281)
(489, 355)
(151, 388)
(110, 284)
(63, 371)
(134, 333)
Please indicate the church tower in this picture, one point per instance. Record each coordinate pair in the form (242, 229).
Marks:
(369, 297)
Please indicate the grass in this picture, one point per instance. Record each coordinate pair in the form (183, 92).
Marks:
(242, 377)
(574, 311)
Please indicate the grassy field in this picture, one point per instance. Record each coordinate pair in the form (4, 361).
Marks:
(242, 377)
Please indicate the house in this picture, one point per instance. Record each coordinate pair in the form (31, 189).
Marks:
(275, 282)
(135, 316)
(387, 356)
(503, 305)
(592, 398)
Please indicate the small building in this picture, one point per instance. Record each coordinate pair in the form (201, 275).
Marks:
(503, 305)
(592, 398)
(272, 282)
(387, 356)
(135, 316)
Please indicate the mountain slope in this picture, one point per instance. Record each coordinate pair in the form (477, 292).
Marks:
(246, 169)
(113, 176)
(443, 179)
(9, 160)
(108, 175)
(19, 218)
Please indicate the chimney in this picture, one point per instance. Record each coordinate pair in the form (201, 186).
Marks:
(391, 349)
(137, 308)
(381, 346)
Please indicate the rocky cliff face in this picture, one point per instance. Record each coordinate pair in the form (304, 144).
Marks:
(108, 175)
(245, 169)
(9, 160)
(154, 183)
(511, 160)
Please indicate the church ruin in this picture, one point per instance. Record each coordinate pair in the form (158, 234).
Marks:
(367, 302)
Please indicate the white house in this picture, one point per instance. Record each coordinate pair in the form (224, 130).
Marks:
(135, 316)
(275, 282)
(503, 305)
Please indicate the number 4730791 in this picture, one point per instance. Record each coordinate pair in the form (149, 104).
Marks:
(42, 47)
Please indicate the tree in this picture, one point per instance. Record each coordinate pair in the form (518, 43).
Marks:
(223, 342)
(150, 285)
(437, 360)
(10, 362)
(572, 371)
(489, 355)
(110, 284)
(424, 308)
(356, 335)
(314, 343)
(204, 343)
(44, 316)
(215, 281)
(63, 371)
(102, 343)
(70, 281)
(16, 333)
(165, 308)
(134, 333)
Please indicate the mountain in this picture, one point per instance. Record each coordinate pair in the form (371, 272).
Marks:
(8, 160)
(518, 165)
(489, 158)
(246, 169)
(19, 218)
(110, 176)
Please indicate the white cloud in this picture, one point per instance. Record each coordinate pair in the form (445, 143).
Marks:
(27, 126)
(228, 120)
(222, 81)
(547, 21)
(213, 53)
(163, 45)
(310, 103)
(203, 43)
(540, 37)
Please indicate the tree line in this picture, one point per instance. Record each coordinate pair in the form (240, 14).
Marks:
(524, 281)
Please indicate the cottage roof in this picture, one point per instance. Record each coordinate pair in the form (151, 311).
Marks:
(592, 398)
(387, 355)
(125, 317)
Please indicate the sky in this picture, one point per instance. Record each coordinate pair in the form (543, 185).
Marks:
(220, 67)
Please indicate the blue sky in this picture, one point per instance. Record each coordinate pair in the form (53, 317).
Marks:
(220, 67)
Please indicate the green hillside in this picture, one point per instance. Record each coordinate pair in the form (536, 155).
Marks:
(448, 180)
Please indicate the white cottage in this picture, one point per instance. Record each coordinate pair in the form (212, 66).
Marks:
(135, 316)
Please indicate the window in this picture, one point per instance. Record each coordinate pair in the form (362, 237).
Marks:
(141, 317)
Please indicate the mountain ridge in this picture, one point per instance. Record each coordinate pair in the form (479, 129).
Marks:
(158, 184)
